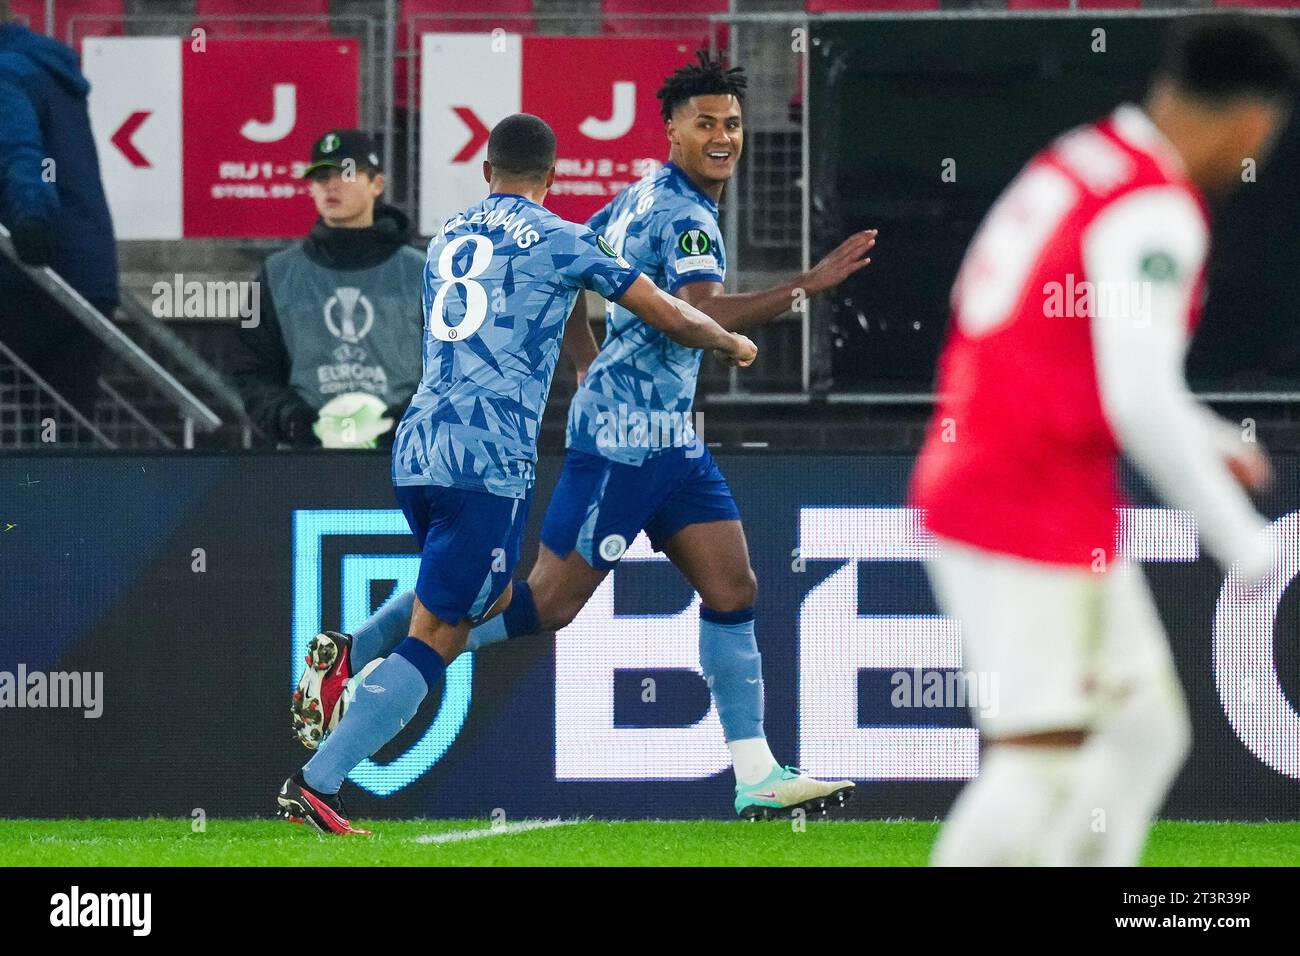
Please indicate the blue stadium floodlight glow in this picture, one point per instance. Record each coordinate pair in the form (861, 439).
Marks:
(310, 527)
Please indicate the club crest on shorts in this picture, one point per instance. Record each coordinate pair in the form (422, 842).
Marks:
(613, 546)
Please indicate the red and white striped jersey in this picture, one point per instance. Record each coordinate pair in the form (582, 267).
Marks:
(1070, 318)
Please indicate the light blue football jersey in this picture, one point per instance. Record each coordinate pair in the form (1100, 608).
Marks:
(499, 281)
(666, 227)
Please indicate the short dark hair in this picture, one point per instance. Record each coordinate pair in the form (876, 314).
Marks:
(707, 77)
(1220, 57)
(522, 145)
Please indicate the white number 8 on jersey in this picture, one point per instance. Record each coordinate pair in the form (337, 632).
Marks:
(476, 300)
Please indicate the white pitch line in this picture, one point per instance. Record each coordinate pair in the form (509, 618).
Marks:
(455, 836)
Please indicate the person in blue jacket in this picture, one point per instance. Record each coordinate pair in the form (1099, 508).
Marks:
(52, 201)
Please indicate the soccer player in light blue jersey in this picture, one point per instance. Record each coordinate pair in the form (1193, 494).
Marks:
(619, 480)
(500, 281)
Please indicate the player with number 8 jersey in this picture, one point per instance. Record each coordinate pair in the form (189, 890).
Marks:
(500, 280)
(499, 283)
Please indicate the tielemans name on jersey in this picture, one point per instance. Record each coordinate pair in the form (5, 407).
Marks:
(514, 224)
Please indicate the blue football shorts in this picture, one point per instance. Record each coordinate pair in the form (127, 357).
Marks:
(469, 546)
(599, 506)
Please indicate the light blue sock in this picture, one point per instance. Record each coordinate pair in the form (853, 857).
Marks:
(734, 669)
(382, 631)
(384, 704)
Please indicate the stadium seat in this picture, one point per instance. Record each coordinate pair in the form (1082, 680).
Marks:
(1065, 4)
(465, 16)
(868, 6)
(452, 16)
(33, 12)
(649, 17)
(252, 17)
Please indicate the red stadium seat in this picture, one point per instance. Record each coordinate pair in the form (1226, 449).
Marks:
(465, 16)
(648, 17)
(33, 12)
(453, 16)
(1065, 4)
(253, 17)
(868, 6)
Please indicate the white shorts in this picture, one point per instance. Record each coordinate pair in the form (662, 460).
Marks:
(1060, 644)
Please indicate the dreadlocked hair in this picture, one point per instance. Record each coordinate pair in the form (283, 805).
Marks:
(708, 77)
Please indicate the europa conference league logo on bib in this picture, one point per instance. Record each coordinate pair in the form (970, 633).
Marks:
(694, 242)
(348, 300)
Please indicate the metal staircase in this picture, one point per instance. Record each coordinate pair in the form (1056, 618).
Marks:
(142, 401)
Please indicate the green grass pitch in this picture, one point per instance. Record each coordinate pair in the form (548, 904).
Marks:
(171, 842)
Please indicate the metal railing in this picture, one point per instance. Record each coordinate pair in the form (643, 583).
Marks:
(174, 348)
(193, 412)
(33, 414)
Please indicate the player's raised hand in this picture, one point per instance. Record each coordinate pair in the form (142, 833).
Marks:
(844, 260)
(741, 353)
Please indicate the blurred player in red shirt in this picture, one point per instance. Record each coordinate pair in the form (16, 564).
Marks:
(1071, 316)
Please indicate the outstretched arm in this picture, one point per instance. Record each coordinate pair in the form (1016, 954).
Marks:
(685, 324)
(745, 310)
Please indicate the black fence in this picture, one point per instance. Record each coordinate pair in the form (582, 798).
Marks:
(918, 127)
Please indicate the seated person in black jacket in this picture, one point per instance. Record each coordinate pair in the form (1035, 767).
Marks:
(336, 353)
